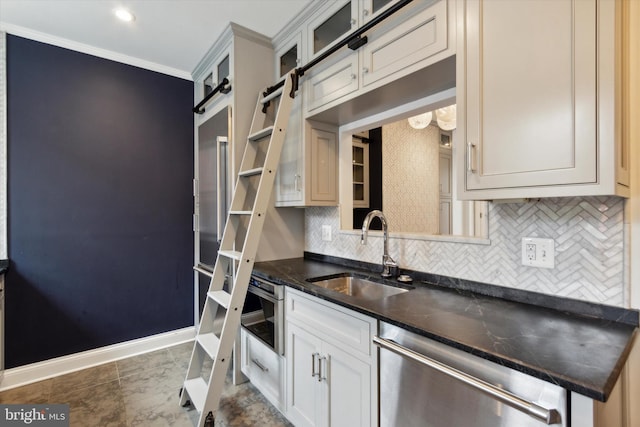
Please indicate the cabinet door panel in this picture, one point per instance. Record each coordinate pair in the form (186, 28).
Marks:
(531, 93)
(303, 394)
(349, 389)
(288, 177)
(288, 186)
(422, 35)
(332, 83)
(323, 169)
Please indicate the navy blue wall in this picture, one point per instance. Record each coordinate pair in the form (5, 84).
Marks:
(100, 169)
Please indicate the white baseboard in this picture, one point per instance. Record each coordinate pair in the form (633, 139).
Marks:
(34, 372)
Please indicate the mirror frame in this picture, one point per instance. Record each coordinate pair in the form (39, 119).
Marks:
(474, 222)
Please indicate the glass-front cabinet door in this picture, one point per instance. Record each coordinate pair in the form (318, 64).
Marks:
(370, 8)
(360, 151)
(289, 176)
(332, 24)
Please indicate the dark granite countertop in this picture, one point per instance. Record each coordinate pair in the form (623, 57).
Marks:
(577, 345)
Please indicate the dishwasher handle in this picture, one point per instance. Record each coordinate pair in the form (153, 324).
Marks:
(548, 416)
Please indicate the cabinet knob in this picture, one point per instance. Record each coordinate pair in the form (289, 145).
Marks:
(365, 12)
(353, 77)
(353, 22)
(365, 70)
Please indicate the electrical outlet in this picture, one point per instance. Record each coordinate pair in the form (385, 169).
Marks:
(538, 252)
(326, 233)
(530, 249)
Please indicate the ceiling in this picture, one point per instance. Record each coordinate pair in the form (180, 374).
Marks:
(169, 36)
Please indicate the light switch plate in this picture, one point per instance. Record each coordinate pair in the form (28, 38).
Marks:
(537, 252)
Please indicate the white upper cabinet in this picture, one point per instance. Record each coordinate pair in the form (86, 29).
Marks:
(535, 97)
(369, 9)
(391, 50)
(236, 55)
(337, 76)
(418, 35)
(290, 170)
(307, 173)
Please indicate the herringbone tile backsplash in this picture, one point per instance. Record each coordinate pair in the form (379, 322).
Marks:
(589, 248)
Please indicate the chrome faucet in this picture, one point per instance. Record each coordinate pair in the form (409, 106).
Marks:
(387, 262)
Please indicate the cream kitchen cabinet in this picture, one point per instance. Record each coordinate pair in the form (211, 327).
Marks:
(309, 173)
(337, 75)
(416, 36)
(236, 54)
(331, 365)
(288, 178)
(537, 101)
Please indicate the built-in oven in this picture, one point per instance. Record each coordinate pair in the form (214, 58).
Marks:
(263, 313)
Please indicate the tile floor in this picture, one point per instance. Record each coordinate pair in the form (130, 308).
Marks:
(143, 391)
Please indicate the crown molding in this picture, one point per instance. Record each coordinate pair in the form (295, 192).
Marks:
(17, 30)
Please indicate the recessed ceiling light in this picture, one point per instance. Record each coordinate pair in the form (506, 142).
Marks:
(124, 15)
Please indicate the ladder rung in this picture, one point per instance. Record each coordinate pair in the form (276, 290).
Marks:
(251, 172)
(231, 254)
(210, 343)
(197, 390)
(260, 134)
(221, 297)
(240, 212)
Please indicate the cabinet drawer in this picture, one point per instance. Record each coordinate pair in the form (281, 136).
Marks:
(263, 367)
(422, 35)
(332, 83)
(334, 324)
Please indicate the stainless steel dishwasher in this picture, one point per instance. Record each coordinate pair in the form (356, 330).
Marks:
(424, 383)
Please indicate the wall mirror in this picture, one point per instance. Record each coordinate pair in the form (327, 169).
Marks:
(401, 162)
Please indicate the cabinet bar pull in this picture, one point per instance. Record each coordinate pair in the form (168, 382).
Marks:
(313, 365)
(548, 416)
(320, 377)
(470, 147)
(260, 365)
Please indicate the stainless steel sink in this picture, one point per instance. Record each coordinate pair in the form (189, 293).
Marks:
(358, 287)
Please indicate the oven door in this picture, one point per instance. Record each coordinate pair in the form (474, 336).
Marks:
(263, 317)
